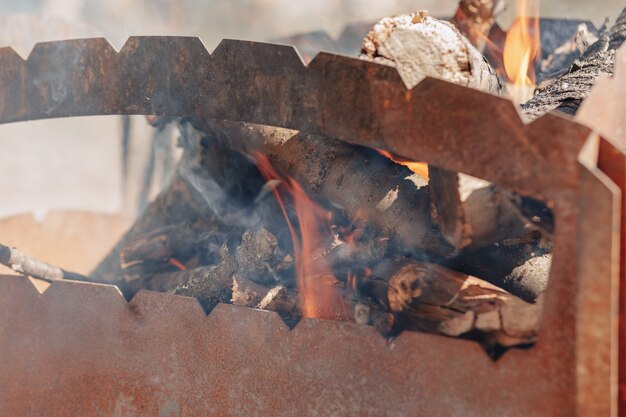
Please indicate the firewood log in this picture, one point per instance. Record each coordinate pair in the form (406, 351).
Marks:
(419, 45)
(27, 265)
(567, 91)
(436, 299)
(522, 269)
(388, 197)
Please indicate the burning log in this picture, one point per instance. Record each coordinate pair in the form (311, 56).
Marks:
(436, 299)
(361, 183)
(419, 45)
(567, 91)
(409, 45)
(22, 263)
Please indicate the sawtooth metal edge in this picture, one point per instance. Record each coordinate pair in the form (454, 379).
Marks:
(82, 347)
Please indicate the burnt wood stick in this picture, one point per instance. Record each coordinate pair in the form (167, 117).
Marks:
(432, 298)
(161, 244)
(447, 209)
(211, 285)
(22, 263)
(388, 197)
(280, 299)
(567, 91)
(185, 201)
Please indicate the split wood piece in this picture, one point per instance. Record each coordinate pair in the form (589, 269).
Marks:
(432, 298)
(359, 182)
(419, 46)
(211, 285)
(24, 264)
(522, 269)
(280, 299)
(472, 214)
(474, 19)
(567, 91)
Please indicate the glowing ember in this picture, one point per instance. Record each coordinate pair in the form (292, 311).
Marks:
(320, 293)
(419, 168)
(521, 49)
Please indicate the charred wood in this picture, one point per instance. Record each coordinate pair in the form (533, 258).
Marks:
(358, 182)
(211, 285)
(280, 299)
(567, 91)
(27, 265)
(177, 241)
(472, 213)
(208, 166)
(521, 269)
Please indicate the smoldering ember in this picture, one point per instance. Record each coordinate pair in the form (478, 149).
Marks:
(343, 215)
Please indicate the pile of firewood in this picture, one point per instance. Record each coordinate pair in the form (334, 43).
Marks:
(401, 250)
(443, 252)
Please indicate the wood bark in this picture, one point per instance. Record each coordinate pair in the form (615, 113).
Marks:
(419, 46)
(567, 91)
(436, 299)
(22, 263)
(211, 285)
(386, 196)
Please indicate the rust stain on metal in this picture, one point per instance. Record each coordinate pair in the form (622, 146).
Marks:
(82, 347)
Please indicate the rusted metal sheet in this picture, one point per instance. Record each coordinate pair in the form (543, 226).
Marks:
(604, 110)
(81, 347)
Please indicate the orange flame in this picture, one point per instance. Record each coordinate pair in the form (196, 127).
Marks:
(522, 47)
(419, 168)
(320, 295)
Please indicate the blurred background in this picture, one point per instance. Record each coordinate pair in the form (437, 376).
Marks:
(77, 163)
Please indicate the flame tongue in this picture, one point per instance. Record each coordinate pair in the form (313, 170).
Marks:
(419, 168)
(319, 289)
(522, 48)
